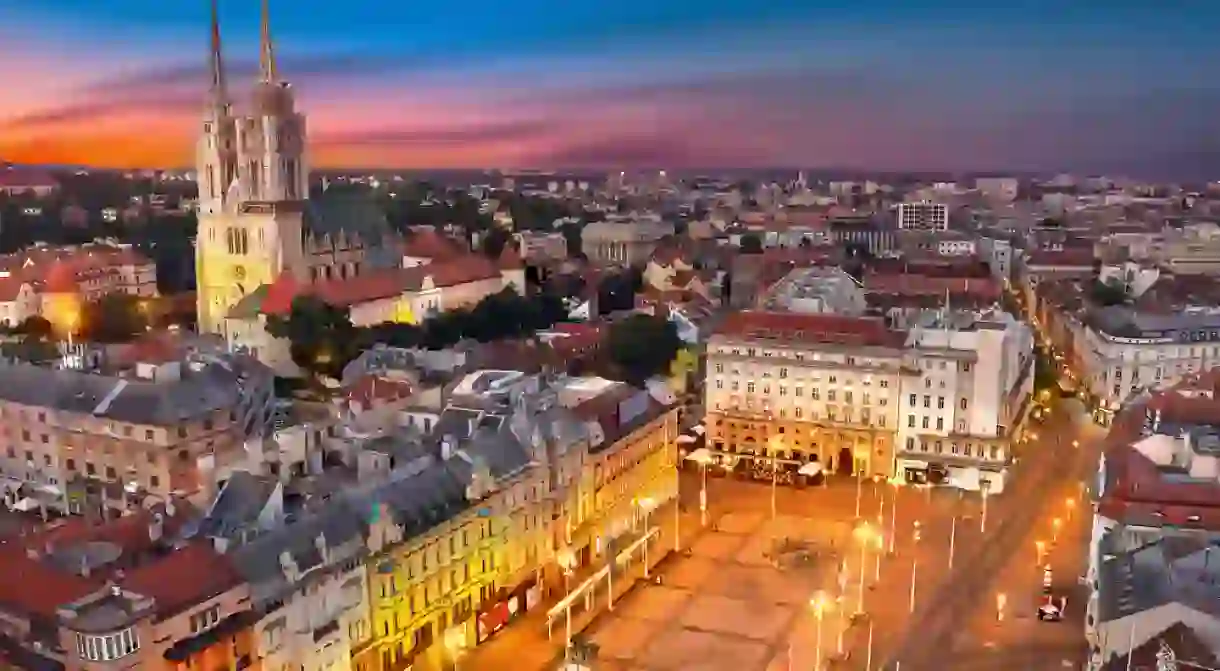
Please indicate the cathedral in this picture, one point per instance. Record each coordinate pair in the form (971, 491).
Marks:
(265, 240)
(257, 221)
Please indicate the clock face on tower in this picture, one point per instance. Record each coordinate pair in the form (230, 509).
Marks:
(239, 273)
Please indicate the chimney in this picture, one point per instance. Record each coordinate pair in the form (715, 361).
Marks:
(320, 544)
(156, 528)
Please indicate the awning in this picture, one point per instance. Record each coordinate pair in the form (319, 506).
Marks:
(811, 468)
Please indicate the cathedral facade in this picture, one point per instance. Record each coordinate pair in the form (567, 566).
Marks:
(257, 221)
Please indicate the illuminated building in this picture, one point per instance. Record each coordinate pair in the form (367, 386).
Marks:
(264, 239)
(940, 401)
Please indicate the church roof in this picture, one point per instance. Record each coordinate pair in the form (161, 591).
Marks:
(350, 213)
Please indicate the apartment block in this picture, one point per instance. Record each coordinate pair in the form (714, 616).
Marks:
(84, 437)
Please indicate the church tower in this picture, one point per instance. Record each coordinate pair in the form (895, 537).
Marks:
(253, 182)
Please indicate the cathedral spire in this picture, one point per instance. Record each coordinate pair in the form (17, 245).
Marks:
(266, 58)
(219, 93)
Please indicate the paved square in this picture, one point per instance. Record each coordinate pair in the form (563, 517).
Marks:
(733, 604)
(702, 651)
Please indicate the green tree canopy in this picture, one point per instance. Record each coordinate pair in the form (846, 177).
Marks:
(1108, 293)
(642, 346)
(322, 338)
(114, 318)
(751, 244)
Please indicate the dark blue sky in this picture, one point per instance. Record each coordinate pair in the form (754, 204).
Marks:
(1120, 86)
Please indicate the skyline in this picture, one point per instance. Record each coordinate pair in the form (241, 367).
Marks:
(606, 85)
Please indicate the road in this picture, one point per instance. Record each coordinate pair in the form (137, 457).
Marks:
(958, 608)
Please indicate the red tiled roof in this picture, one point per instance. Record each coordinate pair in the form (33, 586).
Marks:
(43, 586)
(379, 284)
(807, 328)
(61, 279)
(982, 287)
(427, 243)
(370, 390)
(1072, 258)
(183, 578)
(1135, 486)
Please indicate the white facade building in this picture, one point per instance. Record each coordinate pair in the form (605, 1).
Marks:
(960, 413)
(923, 215)
(1123, 351)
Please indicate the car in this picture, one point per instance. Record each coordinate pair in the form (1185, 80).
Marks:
(1049, 612)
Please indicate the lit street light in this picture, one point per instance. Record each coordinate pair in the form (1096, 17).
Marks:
(914, 563)
(865, 535)
(703, 457)
(1055, 524)
(819, 603)
(859, 457)
(1040, 548)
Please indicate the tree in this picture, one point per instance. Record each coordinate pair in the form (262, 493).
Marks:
(30, 348)
(321, 337)
(751, 244)
(1108, 293)
(494, 241)
(642, 346)
(36, 326)
(114, 318)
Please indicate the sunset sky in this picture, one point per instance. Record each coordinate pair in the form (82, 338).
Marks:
(913, 84)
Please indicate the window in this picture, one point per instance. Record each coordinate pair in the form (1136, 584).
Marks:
(927, 401)
(940, 402)
(913, 399)
(911, 421)
(108, 647)
(205, 619)
(925, 421)
(964, 403)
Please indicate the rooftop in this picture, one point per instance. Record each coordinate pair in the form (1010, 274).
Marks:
(783, 327)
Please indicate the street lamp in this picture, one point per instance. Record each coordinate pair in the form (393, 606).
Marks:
(859, 457)
(865, 535)
(1040, 548)
(914, 562)
(703, 457)
(894, 483)
(819, 603)
(1055, 524)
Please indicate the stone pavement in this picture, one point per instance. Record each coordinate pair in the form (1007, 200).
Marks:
(524, 645)
(728, 605)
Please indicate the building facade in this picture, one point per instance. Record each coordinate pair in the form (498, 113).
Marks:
(937, 403)
(257, 221)
(923, 215)
(82, 440)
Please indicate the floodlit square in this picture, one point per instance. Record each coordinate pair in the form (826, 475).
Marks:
(751, 619)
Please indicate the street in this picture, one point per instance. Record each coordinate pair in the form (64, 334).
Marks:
(960, 614)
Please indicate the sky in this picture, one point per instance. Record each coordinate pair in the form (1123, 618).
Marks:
(1118, 87)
